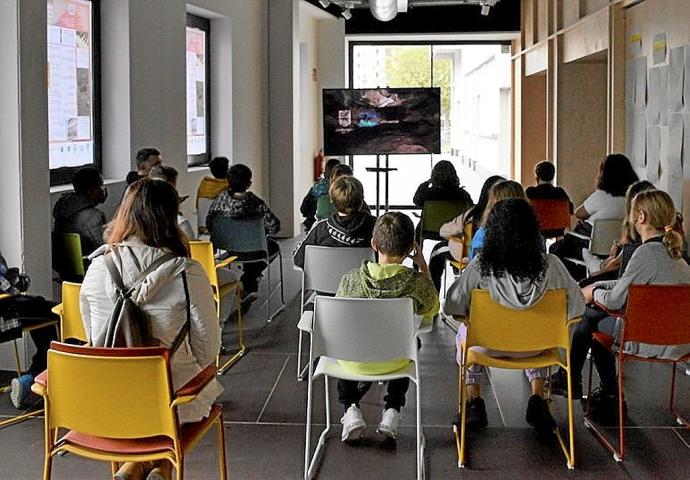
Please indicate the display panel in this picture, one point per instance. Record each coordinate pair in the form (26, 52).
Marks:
(382, 121)
(196, 92)
(70, 83)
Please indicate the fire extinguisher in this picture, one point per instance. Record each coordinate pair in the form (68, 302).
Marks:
(318, 165)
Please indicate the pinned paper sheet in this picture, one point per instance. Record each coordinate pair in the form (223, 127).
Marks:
(663, 95)
(686, 95)
(635, 43)
(659, 49)
(639, 140)
(686, 148)
(675, 79)
(653, 154)
(641, 83)
(674, 153)
(653, 106)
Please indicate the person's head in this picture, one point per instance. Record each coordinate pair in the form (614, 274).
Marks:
(347, 194)
(88, 181)
(340, 170)
(393, 235)
(503, 191)
(513, 243)
(477, 211)
(328, 167)
(147, 158)
(616, 174)
(219, 167)
(637, 187)
(149, 212)
(444, 175)
(544, 172)
(653, 213)
(239, 178)
(166, 173)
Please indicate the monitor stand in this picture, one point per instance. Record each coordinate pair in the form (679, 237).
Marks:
(378, 169)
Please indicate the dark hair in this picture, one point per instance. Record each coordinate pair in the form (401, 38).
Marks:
(513, 244)
(615, 174)
(149, 212)
(477, 212)
(545, 171)
(86, 178)
(330, 164)
(394, 234)
(219, 167)
(444, 175)
(144, 154)
(164, 172)
(239, 178)
(340, 170)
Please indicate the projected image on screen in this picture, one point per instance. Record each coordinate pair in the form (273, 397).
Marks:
(382, 121)
(70, 83)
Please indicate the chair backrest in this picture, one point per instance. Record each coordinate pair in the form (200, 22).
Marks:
(110, 392)
(604, 233)
(68, 257)
(71, 324)
(325, 266)
(202, 252)
(238, 236)
(657, 314)
(541, 327)
(364, 329)
(467, 233)
(203, 204)
(553, 214)
(436, 213)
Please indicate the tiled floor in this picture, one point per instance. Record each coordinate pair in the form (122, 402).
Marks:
(265, 414)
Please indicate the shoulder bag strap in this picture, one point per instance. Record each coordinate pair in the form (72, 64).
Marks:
(186, 327)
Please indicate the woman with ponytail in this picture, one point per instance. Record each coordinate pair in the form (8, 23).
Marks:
(658, 261)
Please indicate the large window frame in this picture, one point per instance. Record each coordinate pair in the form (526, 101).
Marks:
(204, 24)
(63, 175)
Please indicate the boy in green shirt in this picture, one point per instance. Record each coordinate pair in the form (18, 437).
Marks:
(393, 239)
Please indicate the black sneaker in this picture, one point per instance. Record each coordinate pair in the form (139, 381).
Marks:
(559, 385)
(538, 415)
(603, 407)
(476, 415)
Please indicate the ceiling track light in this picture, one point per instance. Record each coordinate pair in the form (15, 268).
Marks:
(346, 14)
(324, 3)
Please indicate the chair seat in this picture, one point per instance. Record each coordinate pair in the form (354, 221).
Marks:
(331, 367)
(189, 434)
(544, 359)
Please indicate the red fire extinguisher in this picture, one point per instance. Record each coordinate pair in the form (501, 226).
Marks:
(318, 165)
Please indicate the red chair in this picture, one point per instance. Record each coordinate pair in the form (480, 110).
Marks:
(665, 307)
(553, 215)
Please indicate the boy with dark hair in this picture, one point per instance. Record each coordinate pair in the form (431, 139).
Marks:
(210, 188)
(169, 174)
(544, 173)
(393, 239)
(348, 226)
(316, 204)
(77, 213)
(236, 202)
(146, 159)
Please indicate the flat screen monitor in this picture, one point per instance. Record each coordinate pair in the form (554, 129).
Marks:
(382, 121)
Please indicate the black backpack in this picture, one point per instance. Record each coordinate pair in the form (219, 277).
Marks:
(129, 325)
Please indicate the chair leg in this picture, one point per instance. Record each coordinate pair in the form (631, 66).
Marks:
(179, 468)
(114, 467)
(679, 419)
(242, 348)
(307, 442)
(420, 452)
(221, 449)
(460, 436)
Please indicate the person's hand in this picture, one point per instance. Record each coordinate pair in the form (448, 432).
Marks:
(416, 255)
(615, 249)
(588, 292)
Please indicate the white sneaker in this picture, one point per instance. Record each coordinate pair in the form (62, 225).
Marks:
(389, 423)
(353, 424)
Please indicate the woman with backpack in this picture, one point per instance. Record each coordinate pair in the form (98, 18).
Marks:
(147, 252)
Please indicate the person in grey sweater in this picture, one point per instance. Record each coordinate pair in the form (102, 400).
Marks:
(658, 261)
(517, 273)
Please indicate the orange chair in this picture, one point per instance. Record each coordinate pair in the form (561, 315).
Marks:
(665, 307)
(118, 405)
(553, 215)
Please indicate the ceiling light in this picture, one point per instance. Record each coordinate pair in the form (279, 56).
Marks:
(324, 3)
(383, 10)
(486, 9)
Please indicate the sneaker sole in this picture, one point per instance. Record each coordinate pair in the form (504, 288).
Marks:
(386, 432)
(16, 393)
(354, 433)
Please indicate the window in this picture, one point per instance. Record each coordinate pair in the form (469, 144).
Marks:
(73, 87)
(198, 75)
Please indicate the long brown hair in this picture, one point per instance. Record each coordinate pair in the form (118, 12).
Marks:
(660, 214)
(149, 212)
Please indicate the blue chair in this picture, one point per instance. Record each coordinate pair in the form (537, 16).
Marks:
(246, 238)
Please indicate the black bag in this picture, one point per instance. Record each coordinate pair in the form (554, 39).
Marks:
(129, 325)
(10, 328)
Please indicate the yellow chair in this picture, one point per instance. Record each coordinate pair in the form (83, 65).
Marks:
(202, 252)
(118, 405)
(67, 256)
(544, 327)
(18, 365)
(71, 325)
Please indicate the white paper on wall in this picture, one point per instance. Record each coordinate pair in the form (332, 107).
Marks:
(663, 95)
(676, 74)
(653, 154)
(659, 48)
(686, 89)
(641, 83)
(674, 156)
(686, 148)
(653, 96)
(674, 187)
(629, 107)
(639, 140)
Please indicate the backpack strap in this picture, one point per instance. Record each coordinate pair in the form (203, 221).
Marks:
(184, 331)
(126, 292)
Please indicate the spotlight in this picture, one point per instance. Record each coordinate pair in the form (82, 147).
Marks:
(346, 14)
(486, 9)
(324, 3)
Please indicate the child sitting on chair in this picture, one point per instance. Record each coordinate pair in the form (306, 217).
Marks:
(393, 239)
(348, 226)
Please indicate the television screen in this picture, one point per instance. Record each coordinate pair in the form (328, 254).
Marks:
(382, 121)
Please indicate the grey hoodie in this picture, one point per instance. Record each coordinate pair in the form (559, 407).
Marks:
(511, 292)
(75, 213)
